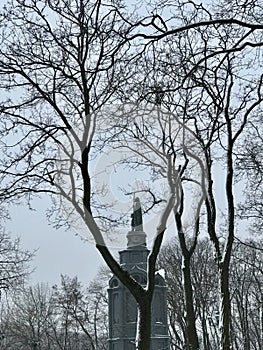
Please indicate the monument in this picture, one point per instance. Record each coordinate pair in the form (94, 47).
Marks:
(122, 305)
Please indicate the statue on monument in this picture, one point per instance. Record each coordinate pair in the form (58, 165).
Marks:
(136, 216)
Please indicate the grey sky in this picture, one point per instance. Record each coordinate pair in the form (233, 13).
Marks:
(58, 251)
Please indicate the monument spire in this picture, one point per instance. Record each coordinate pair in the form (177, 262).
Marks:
(137, 224)
(136, 237)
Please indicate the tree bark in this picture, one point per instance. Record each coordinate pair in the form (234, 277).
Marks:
(224, 265)
(225, 312)
(192, 342)
(143, 341)
(191, 334)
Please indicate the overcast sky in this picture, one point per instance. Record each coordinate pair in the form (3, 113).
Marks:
(58, 251)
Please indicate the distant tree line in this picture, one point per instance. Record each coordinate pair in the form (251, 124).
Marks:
(246, 290)
(67, 316)
(72, 317)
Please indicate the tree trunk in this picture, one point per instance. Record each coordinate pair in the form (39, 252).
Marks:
(191, 334)
(225, 309)
(206, 341)
(143, 337)
(192, 342)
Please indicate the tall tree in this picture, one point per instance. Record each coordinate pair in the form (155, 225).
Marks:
(61, 62)
(196, 80)
(246, 292)
(84, 310)
(245, 288)
(205, 301)
(153, 137)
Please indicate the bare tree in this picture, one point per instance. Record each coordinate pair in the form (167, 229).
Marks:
(66, 316)
(246, 286)
(153, 136)
(25, 323)
(14, 262)
(60, 63)
(83, 310)
(219, 115)
(59, 66)
(205, 301)
(14, 271)
(250, 168)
